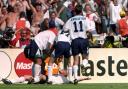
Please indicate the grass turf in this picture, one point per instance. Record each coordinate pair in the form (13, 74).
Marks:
(64, 86)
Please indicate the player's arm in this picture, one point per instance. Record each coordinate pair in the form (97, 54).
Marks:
(50, 44)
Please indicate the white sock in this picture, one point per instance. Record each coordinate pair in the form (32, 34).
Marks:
(84, 62)
(49, 73)
(75, 70)
(70, 73)
(36, 79)
(18, 80)
(37, 70)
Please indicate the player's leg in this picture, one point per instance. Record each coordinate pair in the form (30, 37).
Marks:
(36, 54)
(57, 53)
(83, 78)
(84, 51)
(67, 56)
(43, 79)
(18, 80)
(50, 69)
(75, 53)
(69, 69)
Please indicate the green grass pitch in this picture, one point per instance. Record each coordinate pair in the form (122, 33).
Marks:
(64, 86)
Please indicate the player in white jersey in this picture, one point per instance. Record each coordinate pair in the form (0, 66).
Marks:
(56, 79)
(77, 27)
(42, 41)
(62, 48)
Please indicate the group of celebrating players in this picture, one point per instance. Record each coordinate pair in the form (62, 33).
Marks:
(70, 41)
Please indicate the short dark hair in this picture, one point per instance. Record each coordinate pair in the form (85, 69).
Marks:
(10, 8)
(52, 24)
(78, 9)
(38, 4)
(22, 14)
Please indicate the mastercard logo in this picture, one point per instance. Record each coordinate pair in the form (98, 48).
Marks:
(5, 65)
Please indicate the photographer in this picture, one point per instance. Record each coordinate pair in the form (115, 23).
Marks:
(5, 38)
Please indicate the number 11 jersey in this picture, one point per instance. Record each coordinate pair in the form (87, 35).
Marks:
(77, 27)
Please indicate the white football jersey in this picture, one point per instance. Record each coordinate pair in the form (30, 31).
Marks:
(59, 79)
(63, 36)
(43, 38)
(77, 27)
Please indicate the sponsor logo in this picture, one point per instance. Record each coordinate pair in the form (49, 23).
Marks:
(5, 65)
(110, 67)
(22, 65)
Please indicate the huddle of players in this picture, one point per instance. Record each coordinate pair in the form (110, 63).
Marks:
(72, 40)
(73, 36)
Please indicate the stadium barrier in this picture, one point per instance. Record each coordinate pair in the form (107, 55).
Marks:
(105, 65)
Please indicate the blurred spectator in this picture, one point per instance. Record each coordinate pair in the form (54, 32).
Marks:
(109, 41)
(1, 4)
(44, 25)
(91, 3)
(93, 42)
(6, 37)
(22, 22)
(58, 22)
(11, 3)
(23, 41)
(124, 3)
(70, 11)
(11, 17)
(103, 16)
(92, 17)
(4, 2)
(37, 17)
(4, 12)
(123, 29)
(114, 15)
(64, 7)
(25, 5)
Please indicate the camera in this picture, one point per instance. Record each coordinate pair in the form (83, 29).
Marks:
(6, 37)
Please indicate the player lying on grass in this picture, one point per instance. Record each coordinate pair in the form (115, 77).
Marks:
(56, 79)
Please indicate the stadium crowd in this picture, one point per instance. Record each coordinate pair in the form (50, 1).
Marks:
(108, 28)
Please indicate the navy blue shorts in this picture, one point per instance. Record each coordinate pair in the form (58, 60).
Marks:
(62, 49)
(79, 45)
(32, 50)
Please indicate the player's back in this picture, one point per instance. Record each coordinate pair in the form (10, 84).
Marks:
(63, 36)
(43, 38)
(77, 26)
